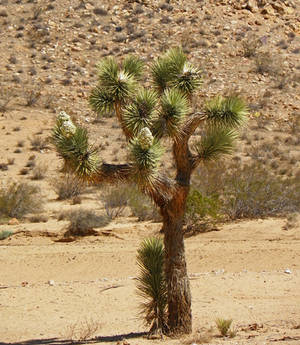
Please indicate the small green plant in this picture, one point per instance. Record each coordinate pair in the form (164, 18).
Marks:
(223, 326)
(18, 199)
(200, 207)
(151, 284)
(83, 222)
(5, 234)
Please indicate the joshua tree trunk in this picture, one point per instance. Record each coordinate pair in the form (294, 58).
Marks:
(179, 294)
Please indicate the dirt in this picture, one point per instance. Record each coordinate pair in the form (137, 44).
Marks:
(248, 271)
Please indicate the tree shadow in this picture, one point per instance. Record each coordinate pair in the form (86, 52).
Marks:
(57, 341)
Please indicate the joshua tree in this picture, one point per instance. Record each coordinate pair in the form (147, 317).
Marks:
(159, 114)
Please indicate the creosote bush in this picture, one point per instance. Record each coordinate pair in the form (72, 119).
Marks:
(18, 199)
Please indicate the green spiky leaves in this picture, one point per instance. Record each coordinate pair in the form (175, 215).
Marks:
(117, 83)
(71, 143)
(141, 112)
(151, 284)
(145, 153)
(174, 108)
(172, 70)
(215, 142)
(226, 111)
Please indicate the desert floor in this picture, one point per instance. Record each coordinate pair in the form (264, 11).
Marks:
(52, 293)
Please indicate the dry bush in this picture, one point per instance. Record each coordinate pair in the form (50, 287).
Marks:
(249, 191)
(18, 199)
(6, 96)
(32, 95)
(250, 46)
(142, 207)
(81, 331)
(39, 172)
(83, 222)
(115, 199)
(200, 337)
(38, 218)
(38, 143)
(265, 62)
(67, 186)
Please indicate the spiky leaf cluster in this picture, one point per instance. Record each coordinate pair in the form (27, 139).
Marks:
(116, 84)
(151, 285)
(78, 154)
(228, 111)
(145, 159)
(173, 71)
(141, 112)
(216, 141)
(174, 108)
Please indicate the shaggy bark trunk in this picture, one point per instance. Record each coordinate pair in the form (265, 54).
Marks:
(179, 294)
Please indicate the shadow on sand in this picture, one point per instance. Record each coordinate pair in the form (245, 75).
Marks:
(57, 341)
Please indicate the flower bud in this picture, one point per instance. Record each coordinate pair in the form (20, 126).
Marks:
(145, 138)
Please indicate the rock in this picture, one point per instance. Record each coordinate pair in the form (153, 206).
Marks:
(268, 9)
(51, 282)
(13, 221)
(252, 6)
(287, 271)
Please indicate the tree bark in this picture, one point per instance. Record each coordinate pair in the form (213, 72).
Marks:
(179, 294)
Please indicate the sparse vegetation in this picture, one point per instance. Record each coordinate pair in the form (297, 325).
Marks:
(67, 186)
(223, 326)
(83, 222)
(18, 199)
(5, 234)
(81, 331)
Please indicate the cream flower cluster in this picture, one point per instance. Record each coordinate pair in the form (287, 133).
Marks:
(66, 123)
(145, 138)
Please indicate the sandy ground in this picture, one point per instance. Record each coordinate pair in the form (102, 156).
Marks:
(238, 272)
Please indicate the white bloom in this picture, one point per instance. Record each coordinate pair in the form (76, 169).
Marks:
(145, 138)
(63, 116)
(69, 127)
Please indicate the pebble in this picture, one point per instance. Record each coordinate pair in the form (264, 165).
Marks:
(287, 271)
(51, 282)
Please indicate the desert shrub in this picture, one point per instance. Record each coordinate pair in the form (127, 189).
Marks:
(38, 143)
(142, 207)
(248, 191)
(39, 172)
(83, 222)
(265, 62)
(67, 186)
(6, 96)
(252, 191)
(115, 199)
(201, 209)
(151, 284)
(18, 199)
(38, 218)
(5, 234)
(223, 326)
(250, 46)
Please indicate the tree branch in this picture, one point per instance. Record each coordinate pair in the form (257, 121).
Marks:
(192, 124)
